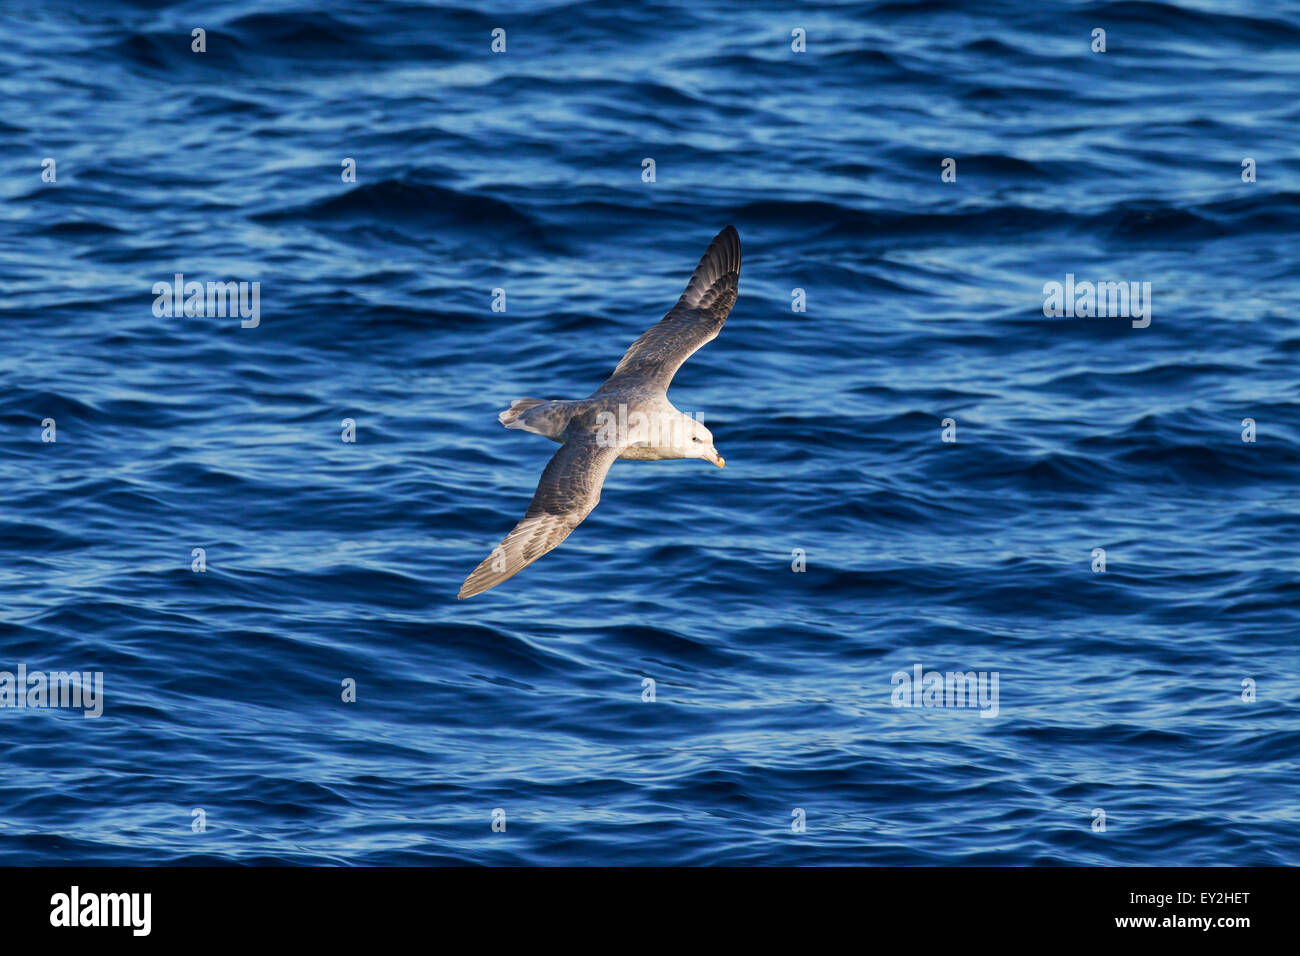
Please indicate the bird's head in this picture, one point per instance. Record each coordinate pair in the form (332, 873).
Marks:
(699, 444)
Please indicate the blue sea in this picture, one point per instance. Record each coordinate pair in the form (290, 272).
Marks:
(927, 473)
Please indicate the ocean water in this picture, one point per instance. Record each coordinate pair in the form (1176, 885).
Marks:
(773, 736)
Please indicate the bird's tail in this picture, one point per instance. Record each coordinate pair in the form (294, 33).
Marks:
(510, 417)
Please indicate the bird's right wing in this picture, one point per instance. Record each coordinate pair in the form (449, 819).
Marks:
(569, 489)
(695, 320)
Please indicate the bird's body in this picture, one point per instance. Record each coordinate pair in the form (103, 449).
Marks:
(629, 417)
(562, 420)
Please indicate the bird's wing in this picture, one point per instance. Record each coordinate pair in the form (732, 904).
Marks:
(569, 489)
(695, 320)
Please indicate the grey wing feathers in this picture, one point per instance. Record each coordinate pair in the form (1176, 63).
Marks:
(567, 492)
(694, 321)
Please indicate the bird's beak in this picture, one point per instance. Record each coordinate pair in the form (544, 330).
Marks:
(718, 460)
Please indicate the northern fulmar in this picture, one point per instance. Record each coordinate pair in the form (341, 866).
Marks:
(627, 417)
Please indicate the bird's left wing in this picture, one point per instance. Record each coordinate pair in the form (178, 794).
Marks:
(568, 491)
(696, 319)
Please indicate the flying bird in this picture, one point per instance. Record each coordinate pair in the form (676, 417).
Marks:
(629, 416)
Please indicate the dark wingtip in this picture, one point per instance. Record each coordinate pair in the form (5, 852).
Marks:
(730, 239)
